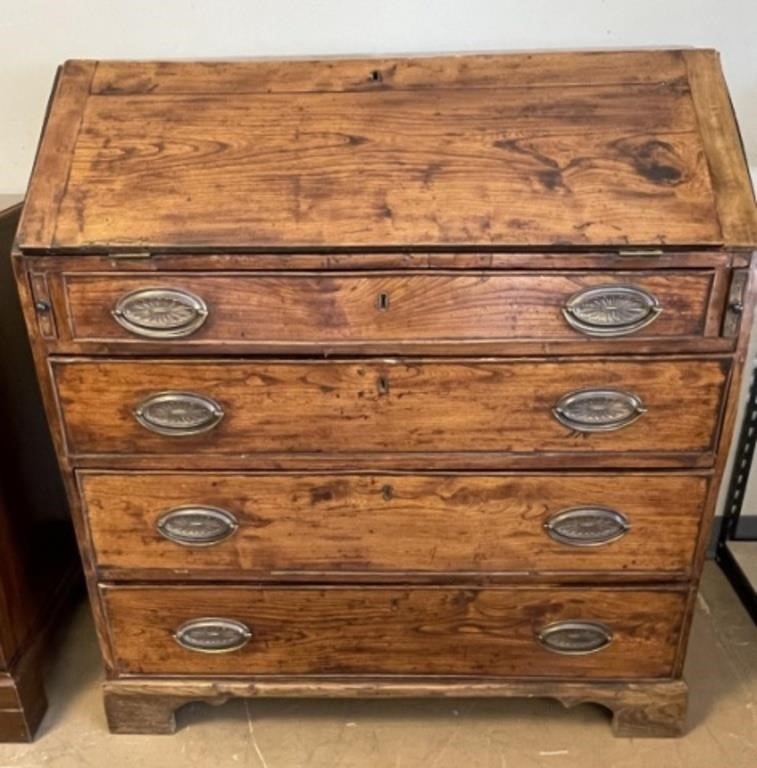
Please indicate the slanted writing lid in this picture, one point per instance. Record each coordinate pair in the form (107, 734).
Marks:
(563, 150)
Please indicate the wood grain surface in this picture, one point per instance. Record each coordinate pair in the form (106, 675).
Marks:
(353, 630)
(349, 74)
(724, 148)
(187, 262)
(387, 406)
(362, 526)
(416, 153)
(639, 709)
(52, 164)
(384, 246)
(289, 308)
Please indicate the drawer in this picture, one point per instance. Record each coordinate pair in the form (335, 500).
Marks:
(248, 409)
(271, 311)
(521, 632)
(277, 526)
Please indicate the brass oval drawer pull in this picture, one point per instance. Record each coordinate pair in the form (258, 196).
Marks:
(160, 313)
(212, 635)
(178, 413)
(587, 526)
(196, 525)
(598, 410)
(611, 310)
(575, 638)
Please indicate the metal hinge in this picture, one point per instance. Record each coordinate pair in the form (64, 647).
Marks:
(735, 306)
(130, 255)
(644, 253)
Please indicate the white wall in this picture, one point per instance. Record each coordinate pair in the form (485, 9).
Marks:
(37, 35)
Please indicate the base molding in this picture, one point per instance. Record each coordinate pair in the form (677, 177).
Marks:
(638, 709)
(23, 696)
(23, 700)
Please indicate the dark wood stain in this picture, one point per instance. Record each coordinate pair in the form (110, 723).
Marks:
(39, 567)
(654, 160)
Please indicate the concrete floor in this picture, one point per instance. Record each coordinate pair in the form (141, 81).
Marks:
(745, 554)
(721, 671)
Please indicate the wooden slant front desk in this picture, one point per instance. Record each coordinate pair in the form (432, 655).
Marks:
(392, 377)
(40, 575)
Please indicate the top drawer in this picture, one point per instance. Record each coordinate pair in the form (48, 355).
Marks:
(383, 310)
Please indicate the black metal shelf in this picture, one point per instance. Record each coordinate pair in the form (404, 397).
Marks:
(729, 531)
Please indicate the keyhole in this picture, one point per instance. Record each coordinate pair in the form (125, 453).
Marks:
(382, 301)
(382, 385)
(387, 492)
(375, 76)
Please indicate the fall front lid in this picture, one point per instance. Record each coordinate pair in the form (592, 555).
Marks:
(502, 151)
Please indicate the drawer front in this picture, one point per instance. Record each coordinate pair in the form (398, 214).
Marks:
(583, 633)
(288, 309)
(257, 525)
(206, 408)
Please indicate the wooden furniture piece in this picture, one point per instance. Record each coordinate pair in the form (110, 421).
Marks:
(39, 565)
(392, 377)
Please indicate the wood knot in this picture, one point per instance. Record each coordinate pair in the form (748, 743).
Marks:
(654, 160)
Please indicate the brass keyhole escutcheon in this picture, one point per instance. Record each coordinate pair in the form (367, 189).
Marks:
(382, 301)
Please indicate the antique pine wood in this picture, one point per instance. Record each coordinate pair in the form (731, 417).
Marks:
(388, 406)
(303, 526)
(383, 630)
(725, 152)
(270, 310)
(488, 339)
(378, 162)
(639, 709)
(619, 258)
(385, 248)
